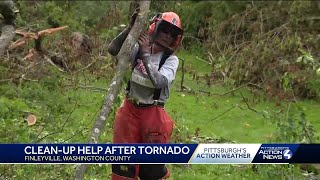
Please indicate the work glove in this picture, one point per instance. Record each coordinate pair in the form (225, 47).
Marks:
(134, 17)
(144, 44)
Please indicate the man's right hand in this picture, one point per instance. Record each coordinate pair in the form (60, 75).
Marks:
(144, 44)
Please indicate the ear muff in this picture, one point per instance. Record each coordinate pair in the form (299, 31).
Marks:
(151, 29)
(154, 20)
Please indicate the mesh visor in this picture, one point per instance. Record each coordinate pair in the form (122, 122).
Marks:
(167, 27)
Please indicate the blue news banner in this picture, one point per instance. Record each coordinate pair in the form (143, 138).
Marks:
(159, 153)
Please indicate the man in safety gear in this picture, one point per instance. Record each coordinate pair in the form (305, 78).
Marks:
(142, 118)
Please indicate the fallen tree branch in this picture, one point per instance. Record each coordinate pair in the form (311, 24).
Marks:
(224, 112)
(5, 80)
(200, 59)
(116, 83)
(89, 65)
(20, 77)
(248, 107)
(50, 61)
(206, 92)
(255, 85)
(88, 87)
(28, 36)
(230, 90)
(38, 51)
(23, 76)
(237, 105)
(23, 71)
(245, 100)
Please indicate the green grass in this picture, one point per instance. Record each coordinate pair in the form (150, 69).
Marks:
(71, 112)
(208, 113)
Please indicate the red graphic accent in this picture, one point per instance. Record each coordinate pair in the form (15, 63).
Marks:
(141, 67)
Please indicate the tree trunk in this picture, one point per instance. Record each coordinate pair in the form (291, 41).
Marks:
(7, 10)
(116, 83)
(7, 34)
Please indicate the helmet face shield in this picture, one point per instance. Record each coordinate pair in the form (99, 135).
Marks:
(167, 27)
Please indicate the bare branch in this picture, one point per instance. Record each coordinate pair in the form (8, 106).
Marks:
(82, 129)
(224, 112)
(116, 83)
(49, 60)
(197, 57)
(61, 129)
(43, 125)
(245, 100)
(182, 76)
(88, 66)
(230, 91)
(89, 87)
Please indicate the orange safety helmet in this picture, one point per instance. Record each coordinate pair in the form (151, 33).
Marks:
(169, 21)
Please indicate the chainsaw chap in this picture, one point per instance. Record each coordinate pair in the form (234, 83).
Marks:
(141, 125)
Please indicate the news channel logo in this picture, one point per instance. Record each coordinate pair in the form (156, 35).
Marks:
(273, 153)
(287, 154)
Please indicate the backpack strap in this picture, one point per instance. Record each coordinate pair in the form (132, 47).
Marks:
(132, 68)
(157, 92)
